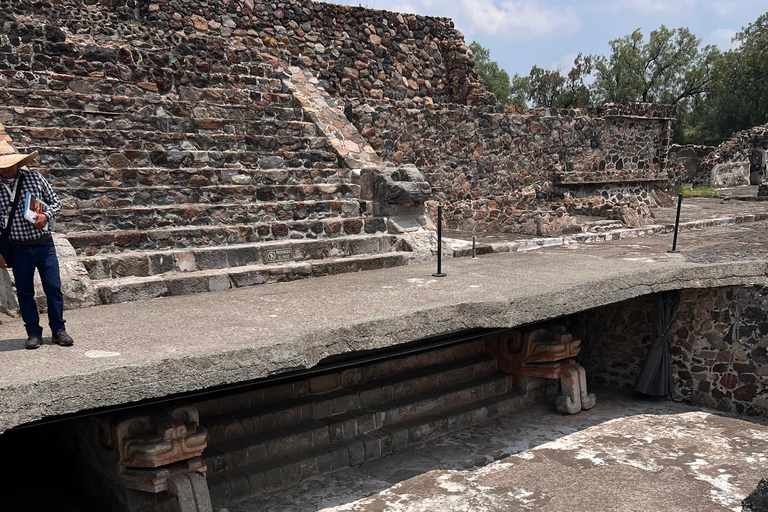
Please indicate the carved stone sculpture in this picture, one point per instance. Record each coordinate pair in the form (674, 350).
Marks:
(150, 461)
(547, 353)
(147, 450)
(395, 191)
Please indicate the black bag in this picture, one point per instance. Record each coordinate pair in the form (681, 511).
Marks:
(5, 237)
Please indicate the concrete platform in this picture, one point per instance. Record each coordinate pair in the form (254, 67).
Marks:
(149, 349)
(627, 453)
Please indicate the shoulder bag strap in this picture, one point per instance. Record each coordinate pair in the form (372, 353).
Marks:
(6, 233)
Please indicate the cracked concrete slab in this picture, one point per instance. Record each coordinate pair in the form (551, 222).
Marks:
(628, 453)
(158, 347)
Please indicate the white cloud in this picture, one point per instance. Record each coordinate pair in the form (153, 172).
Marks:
(722, 37)
(647, 7)
(518, 20)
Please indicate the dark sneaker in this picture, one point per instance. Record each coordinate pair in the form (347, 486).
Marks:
(63, 339)
(34, 342)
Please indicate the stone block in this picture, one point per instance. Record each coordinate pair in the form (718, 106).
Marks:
(247, 278)
(291, 471)
(219, 282)
(256, 480)
(344, 403)
(339, 454)
(130, 265)
(366, 421)
(209, 259)
(320, 436)
(127, 292)
(242, 256)
(371, 446)
(324, 383)
(309, 467)
(356, 451)
(335, 428)
(370, 396)
(273, 477)
(161, 263)
(257, 453)
(324, 461)
(323, 409)
(184, 285)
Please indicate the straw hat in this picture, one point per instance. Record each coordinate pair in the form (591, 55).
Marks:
(10, 157)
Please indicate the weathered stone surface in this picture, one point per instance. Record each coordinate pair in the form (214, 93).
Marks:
(230, 340)
(717, 348)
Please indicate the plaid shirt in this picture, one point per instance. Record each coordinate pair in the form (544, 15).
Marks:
(21, 229)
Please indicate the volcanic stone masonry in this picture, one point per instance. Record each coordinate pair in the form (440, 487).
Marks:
(740, 160)
(719, 346)
(406, 81)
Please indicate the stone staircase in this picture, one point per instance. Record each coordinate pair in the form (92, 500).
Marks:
(188, 187)
(277, 436)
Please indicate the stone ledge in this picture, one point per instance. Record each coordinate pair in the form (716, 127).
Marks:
(181, 344)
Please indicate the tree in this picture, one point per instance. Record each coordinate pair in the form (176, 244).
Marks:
(668, 68)
(549, 88)
(495, 79)
(737, 97)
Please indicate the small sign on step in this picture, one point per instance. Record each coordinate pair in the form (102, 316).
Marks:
(277, 255)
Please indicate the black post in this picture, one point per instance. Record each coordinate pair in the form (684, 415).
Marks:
(439, 242)
(677, 224)
(474, 250)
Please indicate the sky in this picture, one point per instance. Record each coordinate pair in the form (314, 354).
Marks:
(550, 33)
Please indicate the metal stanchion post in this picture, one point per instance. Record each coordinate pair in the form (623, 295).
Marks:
(439, 272)
(474, 251)
(677, 224)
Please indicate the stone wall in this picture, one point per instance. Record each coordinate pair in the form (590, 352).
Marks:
(491, 166)
(406, 81)
(719, 346)
(740, 160)
(354, 51)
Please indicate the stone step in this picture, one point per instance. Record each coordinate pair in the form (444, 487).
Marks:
(131, 97)
(190, 259)
(260, 78)
(258, 121)
(269, 419)
(122, 197)
(180, 237)
(165, 115)
(100, 158)
(296, 436)
(154, 217)
(225, 87)
(79, 177)
(255, 479)
(128, 289)
(157, 143)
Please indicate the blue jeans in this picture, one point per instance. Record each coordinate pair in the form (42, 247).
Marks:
(27, 258)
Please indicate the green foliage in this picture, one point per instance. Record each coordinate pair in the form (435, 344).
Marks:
(697, 192)
(668, 68)
(549, 88)
(495, 79)
(716, 93)
(737, 98)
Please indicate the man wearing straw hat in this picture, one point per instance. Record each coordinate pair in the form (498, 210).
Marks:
(31, 246)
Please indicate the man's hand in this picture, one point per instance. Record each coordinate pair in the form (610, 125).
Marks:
(41, 220)
(2, 262)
